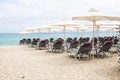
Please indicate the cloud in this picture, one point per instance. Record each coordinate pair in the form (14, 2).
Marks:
(38, 8)
(21, 13)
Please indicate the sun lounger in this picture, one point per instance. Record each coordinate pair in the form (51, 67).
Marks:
(58, 46)
(72, 45)
(105, 48)
(84, 49)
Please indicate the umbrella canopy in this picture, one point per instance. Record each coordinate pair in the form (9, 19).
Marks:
(31, 29)
(117, 29)
(64, 24)
(47, 27)
(104, 25)
(80, 28)
(83, 29)
(24, 32)
(94, 15)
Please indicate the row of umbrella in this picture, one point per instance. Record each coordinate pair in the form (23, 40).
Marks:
(62, 25)
(93, 16)
(70, 28)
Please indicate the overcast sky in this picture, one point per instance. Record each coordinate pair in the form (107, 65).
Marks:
(15, 15)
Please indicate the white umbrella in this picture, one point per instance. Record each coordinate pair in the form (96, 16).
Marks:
(101, 24)
(28, 30)
(47, 27)
(94, 16)
(111, 25)
(24, 32)
(106, 27)
(39, 29)
(118, 24)
(31, 29)
(65, 23)
(81, 28)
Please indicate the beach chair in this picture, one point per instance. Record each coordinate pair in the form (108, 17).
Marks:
(42, 44)
(87, 39)
(68, 40)
(104, 48)
(58, 46)
(118, 51)
(100, 39)
(50, 45)
(34, 42)
(84, 49)
(51, 40)
(28, 41)
(22, 42)
(105, 39)
(83, 40)
(80, 39)
(73, 45)
(116, 41)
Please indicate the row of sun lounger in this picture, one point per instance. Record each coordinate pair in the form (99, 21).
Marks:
(75, 47)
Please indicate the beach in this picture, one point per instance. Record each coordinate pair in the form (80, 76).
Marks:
(25, 63)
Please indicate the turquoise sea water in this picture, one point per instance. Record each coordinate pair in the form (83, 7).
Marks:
(14, 38)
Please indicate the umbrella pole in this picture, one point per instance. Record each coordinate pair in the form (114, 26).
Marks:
(39, 31)
(64, 37)
(113, 31)
(64, 31)
(32, 34)
(64, 34)
(77, 32)
(97, 36)
(82, 33)
(49, 33)
(94, 23)
(29, 36)
(119, 29)
(113, 35)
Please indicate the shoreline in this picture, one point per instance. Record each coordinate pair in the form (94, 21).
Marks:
(8, 45)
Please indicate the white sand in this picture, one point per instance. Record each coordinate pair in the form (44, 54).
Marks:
(24, 63)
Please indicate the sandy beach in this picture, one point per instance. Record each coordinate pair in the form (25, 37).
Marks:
(25, 63)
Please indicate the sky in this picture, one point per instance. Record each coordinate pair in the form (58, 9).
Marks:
(16, 15)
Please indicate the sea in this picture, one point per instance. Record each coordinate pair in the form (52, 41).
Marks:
(7, 39)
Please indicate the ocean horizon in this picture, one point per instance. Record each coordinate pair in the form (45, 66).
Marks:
(7, 39)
